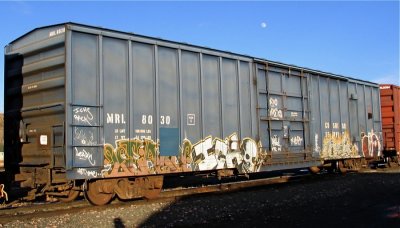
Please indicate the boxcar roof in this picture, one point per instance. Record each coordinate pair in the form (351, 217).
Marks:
(256, 59)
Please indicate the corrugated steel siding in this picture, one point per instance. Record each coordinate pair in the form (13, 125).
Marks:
(35, 99)
(134, 105)
(390, 104)
(142, 88)
(345, 120)
(284, 113)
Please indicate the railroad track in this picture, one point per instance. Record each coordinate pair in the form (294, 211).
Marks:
(26, 211)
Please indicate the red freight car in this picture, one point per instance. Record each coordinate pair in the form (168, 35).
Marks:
(390, 104)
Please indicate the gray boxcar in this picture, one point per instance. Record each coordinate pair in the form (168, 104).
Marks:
(83, 103)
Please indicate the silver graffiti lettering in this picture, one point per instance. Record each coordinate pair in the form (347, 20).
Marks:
(82, 154)
(83, 115)
(275, 144)
(88, 173)
(84, 136)
(274, 111)
(296, 140)
(316, 146)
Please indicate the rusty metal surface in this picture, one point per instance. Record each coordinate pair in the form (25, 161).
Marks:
(29, 210)
(390, 108)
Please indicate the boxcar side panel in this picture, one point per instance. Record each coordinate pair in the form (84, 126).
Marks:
(230, 105)
(212, 108)
(344, 120)
(191, 84)
(156, 108)
(245, 99)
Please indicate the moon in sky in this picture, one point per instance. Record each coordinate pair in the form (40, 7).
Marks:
(263, 25)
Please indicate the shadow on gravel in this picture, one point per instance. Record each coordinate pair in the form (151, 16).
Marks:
(119, 223)
(352, 200)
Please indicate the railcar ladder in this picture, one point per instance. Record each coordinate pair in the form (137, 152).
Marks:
(87, 133)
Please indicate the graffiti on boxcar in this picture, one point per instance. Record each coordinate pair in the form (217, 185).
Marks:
(89, 173)
(316, 145)
(337, 145)
(276, 144)
(129, 157)
(83, 115)
(84, 136)
(274, 111)
(3, 193)
(252, 155)
(142, 157)
(85, 154)
(370, 144)
(296, 141)
(216, 153)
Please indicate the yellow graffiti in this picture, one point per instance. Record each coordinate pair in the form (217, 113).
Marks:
(3, 193)
(338, 145)
(142, 157)
(133, 156)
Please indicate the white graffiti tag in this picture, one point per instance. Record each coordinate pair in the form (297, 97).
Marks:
(82, 154)
(83, 115)
(229, 153)
(316, 146)
(296, 140)
(106, 169)
(88, 173)
(84, 136)
(371, 144)
(275, 144)
(274, 111)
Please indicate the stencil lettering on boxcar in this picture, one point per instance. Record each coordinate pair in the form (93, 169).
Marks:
(56, 32)
(115, 118)
(165, 120)
(147, 119)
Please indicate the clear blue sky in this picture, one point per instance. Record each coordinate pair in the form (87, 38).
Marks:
(358, 39)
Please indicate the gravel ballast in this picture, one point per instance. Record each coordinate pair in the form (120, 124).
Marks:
(352, 200)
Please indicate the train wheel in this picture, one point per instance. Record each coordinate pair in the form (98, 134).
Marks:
(95, 195)
(341, 167)
(153, 187)
(72, 195)
(314, 169)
